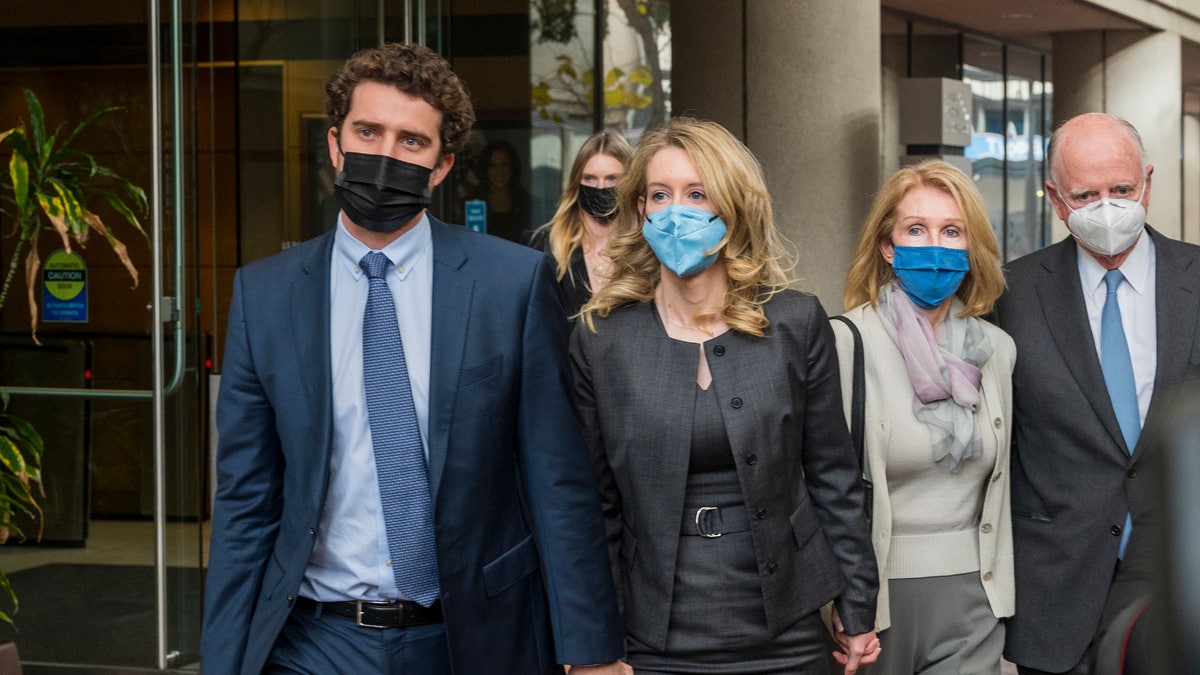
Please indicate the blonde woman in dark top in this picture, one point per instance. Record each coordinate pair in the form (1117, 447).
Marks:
(586, 219)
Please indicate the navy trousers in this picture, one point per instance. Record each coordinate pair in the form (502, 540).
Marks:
(314, 643)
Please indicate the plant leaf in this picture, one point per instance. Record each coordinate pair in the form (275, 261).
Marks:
(37, 121)
(88, 122)
(18, 170)
(72, 201)
(25, 433)
(32, 263)
(117, 246)
(53, 208)
(13, 460)
(120, 207)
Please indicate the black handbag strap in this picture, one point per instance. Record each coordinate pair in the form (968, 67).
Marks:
(858, 399)
(858, 414)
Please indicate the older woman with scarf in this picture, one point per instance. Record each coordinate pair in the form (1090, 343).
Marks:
(938, 402)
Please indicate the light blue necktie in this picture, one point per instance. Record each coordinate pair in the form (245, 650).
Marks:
(1118, 375)
(399, 455)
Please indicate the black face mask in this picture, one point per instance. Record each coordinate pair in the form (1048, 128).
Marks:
(380, 193)
(600, 203)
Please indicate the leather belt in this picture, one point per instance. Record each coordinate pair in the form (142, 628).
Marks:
(398, 614)
(712, 522)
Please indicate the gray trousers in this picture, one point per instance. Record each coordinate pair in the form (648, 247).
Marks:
(940, 626)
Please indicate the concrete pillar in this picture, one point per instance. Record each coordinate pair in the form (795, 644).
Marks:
(707, 64)
(1190, 182)
(809, 109)
(1137, 76)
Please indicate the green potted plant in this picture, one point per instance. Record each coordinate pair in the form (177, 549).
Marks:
(51, 182)
(49, 185)
(20, 483)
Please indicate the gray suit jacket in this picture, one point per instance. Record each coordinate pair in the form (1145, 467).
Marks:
(1071, 472)
(782, 409)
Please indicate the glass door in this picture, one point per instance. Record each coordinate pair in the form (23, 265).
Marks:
(102, 351)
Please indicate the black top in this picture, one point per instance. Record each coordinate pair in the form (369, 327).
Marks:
(573, 288)
(710, 442)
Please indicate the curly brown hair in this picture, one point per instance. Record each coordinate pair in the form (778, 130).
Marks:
(415, 70)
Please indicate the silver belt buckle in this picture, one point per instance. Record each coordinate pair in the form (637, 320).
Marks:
(702, 522)
(358, 613)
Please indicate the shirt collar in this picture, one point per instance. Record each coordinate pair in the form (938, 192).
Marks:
(1136, 267)
(406, 252)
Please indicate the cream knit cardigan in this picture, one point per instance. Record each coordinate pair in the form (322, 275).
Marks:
(884, 367)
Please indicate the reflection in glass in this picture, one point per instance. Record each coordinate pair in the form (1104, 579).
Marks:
(634, 63)
(1007, 150)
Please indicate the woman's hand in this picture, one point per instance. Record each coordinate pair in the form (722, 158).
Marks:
(857, 650)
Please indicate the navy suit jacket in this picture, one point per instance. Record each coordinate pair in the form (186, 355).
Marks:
(501, 432)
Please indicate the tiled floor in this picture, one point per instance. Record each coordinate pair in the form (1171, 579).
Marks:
(116, 542)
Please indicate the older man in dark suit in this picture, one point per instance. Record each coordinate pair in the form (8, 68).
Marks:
(390, 391)
(1103, 322)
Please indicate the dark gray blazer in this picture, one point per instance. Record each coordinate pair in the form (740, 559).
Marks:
(1071, 473)
(782, 407)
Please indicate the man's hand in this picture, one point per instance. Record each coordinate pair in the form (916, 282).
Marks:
(614, 668)
(857, 650)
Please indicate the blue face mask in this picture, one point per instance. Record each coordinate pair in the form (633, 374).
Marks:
(929, 274)
(682, 236)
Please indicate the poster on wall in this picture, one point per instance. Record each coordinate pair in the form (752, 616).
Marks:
(64, 288)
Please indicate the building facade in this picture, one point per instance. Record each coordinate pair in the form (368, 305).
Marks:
(221, 121)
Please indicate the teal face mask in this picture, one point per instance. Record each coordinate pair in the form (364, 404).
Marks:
(682, 238)
(930, 274)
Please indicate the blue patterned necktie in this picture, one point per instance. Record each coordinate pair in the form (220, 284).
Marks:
(399, 455)
(1118, 375)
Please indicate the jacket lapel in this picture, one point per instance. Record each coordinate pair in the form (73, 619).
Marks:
(1177, 305)
(309, 311)
(453, 288)
(1065, 313)
(1176, 309)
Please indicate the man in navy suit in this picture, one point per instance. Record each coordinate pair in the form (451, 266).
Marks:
(302, 575)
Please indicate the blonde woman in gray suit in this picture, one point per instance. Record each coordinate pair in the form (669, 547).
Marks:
(710, 403)
(938, 406)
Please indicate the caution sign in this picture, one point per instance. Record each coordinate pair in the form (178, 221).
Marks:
(64, 288)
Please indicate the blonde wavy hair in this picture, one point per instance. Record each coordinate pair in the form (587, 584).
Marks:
(564, 233)
(752, 252)
(869, 272)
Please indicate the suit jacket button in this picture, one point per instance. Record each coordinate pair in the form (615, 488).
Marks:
(312, 532)
(762, 513)
(1116, 530)
(1132, 473)
(771, 567)
(987, 576)
(736, 402)
(985, 528)
(751, 458)
(290, 599)
(997, 422)
(719, 350)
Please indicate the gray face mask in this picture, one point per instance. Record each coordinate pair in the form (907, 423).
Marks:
(1108, 226)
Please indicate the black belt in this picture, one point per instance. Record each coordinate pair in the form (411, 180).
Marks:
(398, 614)
(711, 521)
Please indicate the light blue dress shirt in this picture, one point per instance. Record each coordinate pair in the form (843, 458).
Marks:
(1138, 314)
(350, 560)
